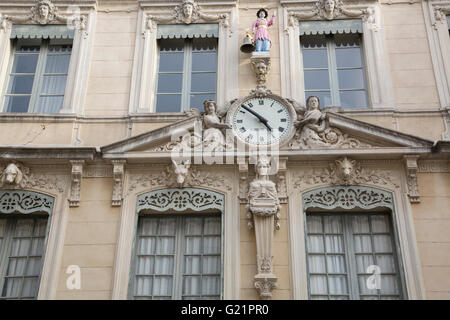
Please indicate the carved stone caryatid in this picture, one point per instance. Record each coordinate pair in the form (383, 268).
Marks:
(43, 13)
(264, 207)
(14, 175)
(75, 186)
(411, 178)
(213, 125)
(118, 174)
(314, 132)
(187, 12)
(327, 10)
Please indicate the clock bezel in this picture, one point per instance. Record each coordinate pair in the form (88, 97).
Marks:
(290, 130)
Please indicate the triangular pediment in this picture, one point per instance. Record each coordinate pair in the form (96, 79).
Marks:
(353, 134)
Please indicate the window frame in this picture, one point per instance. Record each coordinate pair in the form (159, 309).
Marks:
(186, 88)
(5, 255)
(350, 254)
(333, 69)
(178, 255)
(39, 73)
(379, 83)
(145, 63)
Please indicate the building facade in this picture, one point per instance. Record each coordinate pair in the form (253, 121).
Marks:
(134, 165)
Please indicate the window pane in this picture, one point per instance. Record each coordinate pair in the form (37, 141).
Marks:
(333, 224)
(334, 244)
(25, 63)
(348, 57)
(363, 262)
(20, 84)
(315, 244)
(171, 62)
(314, 224)
(380, 224)
(170, 83)
(318, 284)
(317, 79)
(17, 104)
(337, 284)
(360, 224)
(168, 103)
(203, 82)
(50, 104)
(57, 64)
(54, 85)
(353, 99)
(316, 264)
(204, 61)
(204, 44)
(27, 49)
(351, 79)
(336, 264)
(319, 41)
(316, 58)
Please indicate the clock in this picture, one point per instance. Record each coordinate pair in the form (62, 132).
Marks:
(262, 121)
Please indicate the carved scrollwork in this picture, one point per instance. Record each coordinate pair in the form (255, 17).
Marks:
(16, 201)
(347, 198)
(181, 200)
(345, 172)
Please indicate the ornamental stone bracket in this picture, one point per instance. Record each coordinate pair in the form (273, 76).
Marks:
(75, 185)
(261, 65)
(264, 206)
(45, 12)
(411, 177)
(118, 174)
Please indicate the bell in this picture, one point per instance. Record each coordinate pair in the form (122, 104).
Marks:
(247, 44)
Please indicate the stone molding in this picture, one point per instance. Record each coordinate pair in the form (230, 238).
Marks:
(437, 31)
(433, 166)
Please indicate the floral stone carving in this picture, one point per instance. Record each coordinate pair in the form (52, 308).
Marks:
(17, 201)
(181, 200)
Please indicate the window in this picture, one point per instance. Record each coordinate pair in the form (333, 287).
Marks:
(340, 249)
(37, 80)
(187, 73)
(177, 257)
(334, 69)
(22, 245)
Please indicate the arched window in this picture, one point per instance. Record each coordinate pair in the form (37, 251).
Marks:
(351, 244)
(24, 217)
(178, 246)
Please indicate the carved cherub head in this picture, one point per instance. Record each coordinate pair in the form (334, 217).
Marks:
(44, 11)
(13, 175)
(345, 169)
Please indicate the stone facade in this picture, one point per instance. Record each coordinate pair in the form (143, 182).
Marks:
(107, 147)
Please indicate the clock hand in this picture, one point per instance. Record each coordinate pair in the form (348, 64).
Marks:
(260, 118)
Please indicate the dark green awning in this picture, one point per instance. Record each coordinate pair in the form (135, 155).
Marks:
(330, 27)
(183, 31)
(22, 31)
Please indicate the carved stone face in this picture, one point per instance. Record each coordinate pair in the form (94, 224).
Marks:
(210, 107)
(44, 11)
(261, 68)
(263, 168)
(346, 167)
(188, 9)
(329, 5)
(313, 103)
(11, 174)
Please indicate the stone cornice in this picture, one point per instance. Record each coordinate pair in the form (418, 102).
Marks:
(45, 152)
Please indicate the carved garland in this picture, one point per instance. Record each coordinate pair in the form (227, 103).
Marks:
(348, 198)
(181, 200)
(26, 202)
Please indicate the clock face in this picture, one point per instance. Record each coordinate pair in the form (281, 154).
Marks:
(262, 121)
